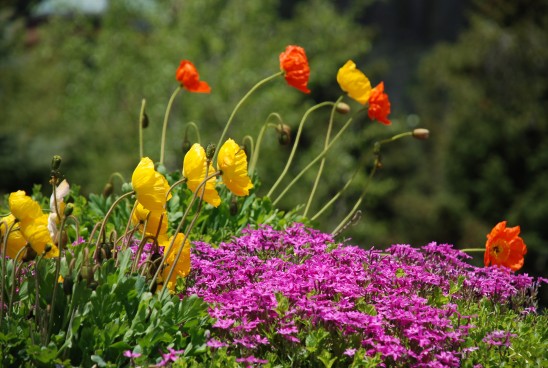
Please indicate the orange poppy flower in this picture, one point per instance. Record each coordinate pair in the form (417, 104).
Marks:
(379, 105)
(294, 63)
(188, 76)
(504, 247)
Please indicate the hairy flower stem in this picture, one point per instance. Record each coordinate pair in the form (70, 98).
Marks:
(267, 124)
(166, 118)
(316, 159)
(56, 278)
(376, 151)
(297, 138)
(4, 260)
(240, 103)
(141, 118)
(185, 214)
(322, 163)
(193, 125)
(109, 212)
(342, 190)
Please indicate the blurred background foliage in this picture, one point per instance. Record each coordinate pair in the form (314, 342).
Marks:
(475, 73)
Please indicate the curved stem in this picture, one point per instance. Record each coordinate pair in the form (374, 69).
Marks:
(256, 151)
(166, 118)
(3, 254)
(141, 117)
(297, 137)
(376, 150)
(352, 212)
(322, 163)
(56, 279)
(237, 107)
(101, 231)
(185, 214)
(249, 139)
(196, 130)
(340, 192)
(311, 163)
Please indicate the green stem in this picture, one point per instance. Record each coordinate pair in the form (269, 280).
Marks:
(297, 138)
(249, 139)
(352, 212)
(4, 260)
(185, 214)
(340, 192)
(109, 212)
(311, 163)
(141, 117)
(376, 150)
(267, 124)
(55, 279)
(473, 250)
(166, 118)
(229, 122)
(193, 125)
(322, 163)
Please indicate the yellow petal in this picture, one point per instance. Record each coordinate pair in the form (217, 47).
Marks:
(194, 170)
(232, 161)
(354, 82)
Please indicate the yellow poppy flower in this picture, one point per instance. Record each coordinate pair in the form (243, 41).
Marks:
(182, 268)
(150, 186)
(24, 207)
(153, 224)
(16, 241)
(354, 82)
(232, 161)
(194, 170)
(37, 234)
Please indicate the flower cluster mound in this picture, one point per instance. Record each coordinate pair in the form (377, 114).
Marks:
(295, 290)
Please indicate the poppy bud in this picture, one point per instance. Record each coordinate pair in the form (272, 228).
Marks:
(186, 145)
(342, 108)
(421, 133)
(144, 120)
(29, 254)
(56, 162)
(284, 137)
(68, 209)
(210, 151)
(68, 283)
(108, 190)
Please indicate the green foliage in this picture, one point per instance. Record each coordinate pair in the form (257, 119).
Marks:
(96, 321)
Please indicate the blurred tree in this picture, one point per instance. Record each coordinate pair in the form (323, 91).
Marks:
(485, 99)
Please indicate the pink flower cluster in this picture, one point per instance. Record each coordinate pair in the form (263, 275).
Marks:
(268, 286)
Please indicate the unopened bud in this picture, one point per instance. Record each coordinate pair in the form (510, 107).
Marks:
(68, 209)
(342, 108)
(108, 189)
(144, 121)
(284, 134)
(68, 283)
(56, 162)
(421, 133)
(186, 146)
(210, 151)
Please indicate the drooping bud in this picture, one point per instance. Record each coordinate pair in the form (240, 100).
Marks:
(210, 151)
(186, 145)
(68, 209)
(421, 133)
(144, 121)
(342, 108)
(108, 189)
(56, 162)
(68, 283)
(284, 134)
